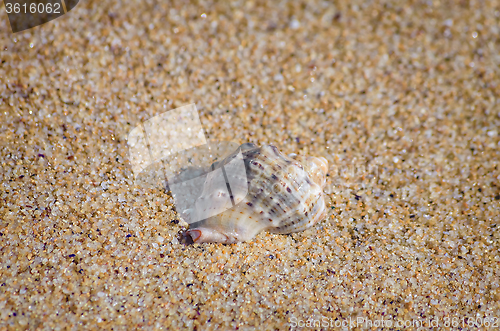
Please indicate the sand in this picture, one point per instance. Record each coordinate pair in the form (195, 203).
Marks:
(402, 98)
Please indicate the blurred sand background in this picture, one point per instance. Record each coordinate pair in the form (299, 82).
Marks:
(402, 98)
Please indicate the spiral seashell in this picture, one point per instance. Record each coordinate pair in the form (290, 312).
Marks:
(277, 193)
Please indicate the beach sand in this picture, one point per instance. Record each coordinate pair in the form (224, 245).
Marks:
(402, 98)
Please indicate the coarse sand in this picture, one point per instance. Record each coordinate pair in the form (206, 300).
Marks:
(401, 97)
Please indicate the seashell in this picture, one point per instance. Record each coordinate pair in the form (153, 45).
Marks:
(276, 193)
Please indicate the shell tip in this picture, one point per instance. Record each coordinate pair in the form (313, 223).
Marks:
(209, 235)
(194, 234)
(323, 164)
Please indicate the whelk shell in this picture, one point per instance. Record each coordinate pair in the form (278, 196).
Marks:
(283, 195)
